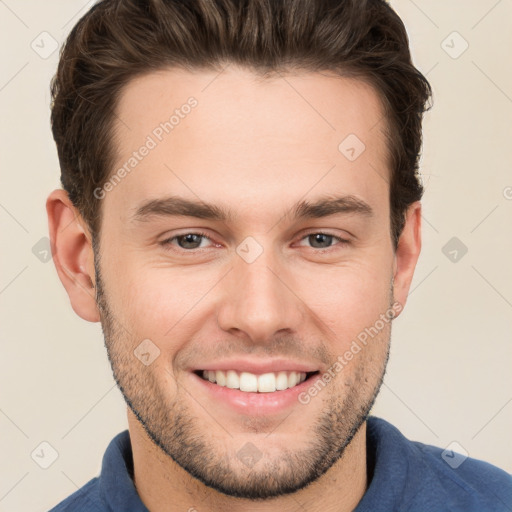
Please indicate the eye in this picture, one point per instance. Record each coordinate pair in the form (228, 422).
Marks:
(186, 241)
(323, 240)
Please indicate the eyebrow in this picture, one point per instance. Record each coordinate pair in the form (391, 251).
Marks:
(175, 206)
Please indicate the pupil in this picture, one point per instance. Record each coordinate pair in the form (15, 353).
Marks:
(190, 239)
(317, 237)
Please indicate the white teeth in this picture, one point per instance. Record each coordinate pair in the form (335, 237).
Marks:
(232, 380)
(249, 382)
(220, 378)
(282, 381)
(292, 379)
(267, 383)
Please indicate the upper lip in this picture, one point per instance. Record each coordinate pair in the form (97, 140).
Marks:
(258, 367)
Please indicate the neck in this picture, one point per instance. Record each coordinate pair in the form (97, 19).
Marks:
(163, 485)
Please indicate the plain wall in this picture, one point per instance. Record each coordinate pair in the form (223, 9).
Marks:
(449, 375)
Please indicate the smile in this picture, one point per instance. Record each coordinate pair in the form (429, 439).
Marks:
(252, 383)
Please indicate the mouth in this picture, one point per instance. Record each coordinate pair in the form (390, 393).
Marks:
(247, 382)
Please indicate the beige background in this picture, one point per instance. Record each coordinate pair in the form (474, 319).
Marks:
(449, 376)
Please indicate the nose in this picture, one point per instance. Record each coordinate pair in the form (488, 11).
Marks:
(260, 299)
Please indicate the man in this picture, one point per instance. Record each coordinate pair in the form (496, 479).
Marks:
(241, 211)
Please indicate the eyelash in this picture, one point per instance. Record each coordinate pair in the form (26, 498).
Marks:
(166, 244)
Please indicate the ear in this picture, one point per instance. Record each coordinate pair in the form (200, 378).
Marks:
(71, 245)
(407, 254)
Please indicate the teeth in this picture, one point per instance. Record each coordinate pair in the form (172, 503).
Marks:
(267, 383)
(249, 382)
(282, 381)
(232, 380)
(220, 378)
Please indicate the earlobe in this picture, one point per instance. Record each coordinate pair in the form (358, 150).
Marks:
(407, 254)
(72, 254)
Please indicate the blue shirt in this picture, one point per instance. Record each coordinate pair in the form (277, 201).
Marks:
(403, 475)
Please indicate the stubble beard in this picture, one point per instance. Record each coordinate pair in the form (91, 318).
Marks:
(177, 432)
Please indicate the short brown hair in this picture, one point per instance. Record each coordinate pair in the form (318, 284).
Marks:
(118, 40)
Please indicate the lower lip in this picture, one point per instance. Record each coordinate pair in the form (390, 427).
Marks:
(256, 404)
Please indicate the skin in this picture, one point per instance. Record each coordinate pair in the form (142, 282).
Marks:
(256, 147)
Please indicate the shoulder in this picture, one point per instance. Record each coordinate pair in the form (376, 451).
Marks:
(479, 482)
(435, 478)
(85, 498)
(112, 483)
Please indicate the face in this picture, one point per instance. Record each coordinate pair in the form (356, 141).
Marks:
(270, 278)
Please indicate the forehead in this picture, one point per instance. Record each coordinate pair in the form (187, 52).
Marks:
(232, 137)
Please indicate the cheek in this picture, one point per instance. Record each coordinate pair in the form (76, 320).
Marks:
(350, 299)
(154, 301)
